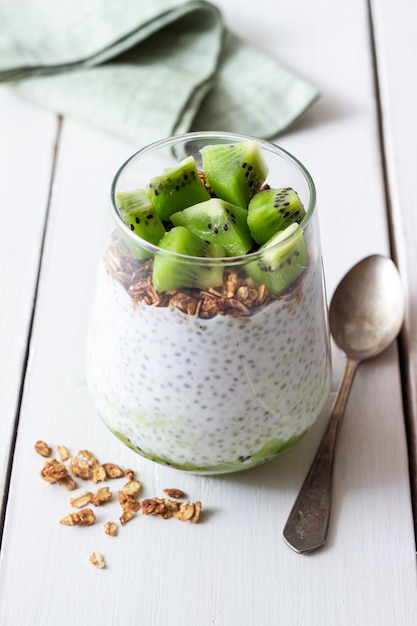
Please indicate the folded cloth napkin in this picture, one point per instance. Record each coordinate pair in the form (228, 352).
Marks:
(145, 69)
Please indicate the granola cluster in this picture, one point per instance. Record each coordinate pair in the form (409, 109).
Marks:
(97, 560)
(237, 296)
(86, 467)
(166, 508)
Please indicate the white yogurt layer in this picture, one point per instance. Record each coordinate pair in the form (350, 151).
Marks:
(209, 395)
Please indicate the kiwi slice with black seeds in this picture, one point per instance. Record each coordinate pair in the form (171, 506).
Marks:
(272, 210)
(170, 272)
(138, 213)
(176, 188)
(220, 222)
(283, 259)
(234, 171)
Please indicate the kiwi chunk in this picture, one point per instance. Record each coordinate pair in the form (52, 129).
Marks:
(234, 171)
(138, 213)
(170, 272)
(220, 222)
(272, 210)
(176, 188)
(283, 258)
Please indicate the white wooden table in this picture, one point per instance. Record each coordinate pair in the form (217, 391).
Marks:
(233, 568)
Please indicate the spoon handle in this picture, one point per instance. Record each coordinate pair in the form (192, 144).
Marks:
(308, 521)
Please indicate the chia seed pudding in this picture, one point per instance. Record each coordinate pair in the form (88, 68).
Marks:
(209, 395)
(209, 379)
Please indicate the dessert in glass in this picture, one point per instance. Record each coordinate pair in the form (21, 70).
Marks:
(208, 347)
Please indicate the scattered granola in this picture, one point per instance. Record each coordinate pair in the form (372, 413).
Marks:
(53, 471)
(97, 560)
(189, 512)
(68, 482)
(63, 453)
(102, 495)
(98, 474)
(165, 508)
(80, 467)
(85, 517)
(86, 466)
(130, 507)
(43, 449)
(174, 493)
(110, 528)
(160, 507)
(89, 457)
(112, 470)
(131, 488)
(80, 501)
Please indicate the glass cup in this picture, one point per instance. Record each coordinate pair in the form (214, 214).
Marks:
(201, 378)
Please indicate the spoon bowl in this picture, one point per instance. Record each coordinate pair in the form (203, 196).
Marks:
(367, 309)
(366, 314)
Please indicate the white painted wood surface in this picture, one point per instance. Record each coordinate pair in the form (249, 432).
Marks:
(26, 156)
(233, 568)
(398, 86)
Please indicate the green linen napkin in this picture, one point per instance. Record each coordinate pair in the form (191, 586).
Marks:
(145, 69)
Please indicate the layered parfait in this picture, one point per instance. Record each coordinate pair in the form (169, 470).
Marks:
(208, 347)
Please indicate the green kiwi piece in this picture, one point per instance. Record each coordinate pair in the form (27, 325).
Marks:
(139, 214)
(234, 171)
(176, 188)
(279, 265)
(272, 210)
(172, 273)
(220, 222)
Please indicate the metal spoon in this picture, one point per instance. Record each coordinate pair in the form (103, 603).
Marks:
(366, 314)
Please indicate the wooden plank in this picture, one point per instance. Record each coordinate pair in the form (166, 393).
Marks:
(396, 48)
(233, 568)
(26, 156)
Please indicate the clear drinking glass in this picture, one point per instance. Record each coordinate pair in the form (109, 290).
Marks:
(208, 380)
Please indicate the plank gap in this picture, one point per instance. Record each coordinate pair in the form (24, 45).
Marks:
(15, 428)
(404, 357)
